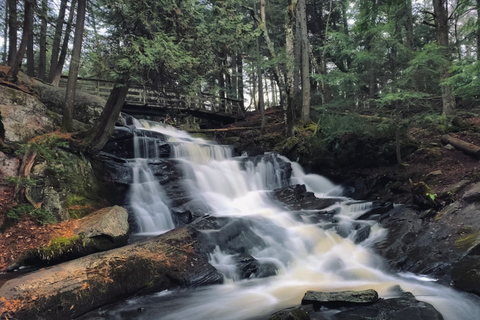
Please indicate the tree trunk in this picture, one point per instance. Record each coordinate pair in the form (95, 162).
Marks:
(30, 53)
(57, 38)
(234, 77)
(290, 66)
(271, 50)
(67, 120)
(240, 80)
(12, 31)
(297, 76)
(5, 37)
(103, 128)
(441, 31)
(468, 148)
(54, 77)
(42, 58)
(478, 30)
(305, 62)
(261, 100)
(27, 26)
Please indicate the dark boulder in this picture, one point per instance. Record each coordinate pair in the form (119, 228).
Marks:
(404, 307)
(431, 246)
(298, 198)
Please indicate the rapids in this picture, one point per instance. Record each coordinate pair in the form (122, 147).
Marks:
(305, 255)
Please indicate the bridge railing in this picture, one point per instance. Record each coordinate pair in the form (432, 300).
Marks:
(163, 97)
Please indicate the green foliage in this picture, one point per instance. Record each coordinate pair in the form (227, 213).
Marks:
(21, 181)
(465, 79)
(40, 215)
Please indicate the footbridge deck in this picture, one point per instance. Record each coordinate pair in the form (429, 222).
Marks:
(148, 100)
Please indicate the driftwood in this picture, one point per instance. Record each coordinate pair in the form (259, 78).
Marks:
(72, 288)
(467, 147)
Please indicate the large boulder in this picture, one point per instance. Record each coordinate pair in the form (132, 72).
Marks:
(87, 108)
(67, 290)
(23, 116)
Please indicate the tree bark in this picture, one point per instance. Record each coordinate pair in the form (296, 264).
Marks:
(12, 74)
(30, 53)
(12, 31)
(271, 50)
(305, 62)
(441, 31)
(67, 120)
(5, 37)
(290, 66)
(42, 58)
(57, 38)
(103, 128)
(54, 78)
(478, 30)
(240, 79)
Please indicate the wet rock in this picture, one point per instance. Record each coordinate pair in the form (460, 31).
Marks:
(297, 197)
(466, 274)
(290, 314)
(247, 266)
(431, 247)
(405, 307)
(378, 208)
(65, 291)
(472, 194)
(339, 299)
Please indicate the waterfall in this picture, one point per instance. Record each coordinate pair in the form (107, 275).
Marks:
(297, 254)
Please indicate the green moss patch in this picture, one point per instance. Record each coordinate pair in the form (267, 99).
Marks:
(467, 238)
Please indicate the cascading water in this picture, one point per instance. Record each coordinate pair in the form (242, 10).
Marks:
(299, 255)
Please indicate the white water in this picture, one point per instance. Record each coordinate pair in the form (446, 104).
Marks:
(306, 256)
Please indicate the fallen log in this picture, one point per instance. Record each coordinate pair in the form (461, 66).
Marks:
(468, 148)
(71, 289)
(223, 129)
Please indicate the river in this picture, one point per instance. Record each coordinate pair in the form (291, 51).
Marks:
(303, 254)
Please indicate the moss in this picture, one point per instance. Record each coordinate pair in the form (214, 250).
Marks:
(58, 247)
(468, 238)
(79, 206)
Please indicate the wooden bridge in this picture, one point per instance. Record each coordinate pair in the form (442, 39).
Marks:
(155, 101)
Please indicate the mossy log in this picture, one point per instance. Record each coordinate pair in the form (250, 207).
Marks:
(70, 289)
(468, 148)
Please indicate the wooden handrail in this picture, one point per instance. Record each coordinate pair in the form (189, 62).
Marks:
(163, 97)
